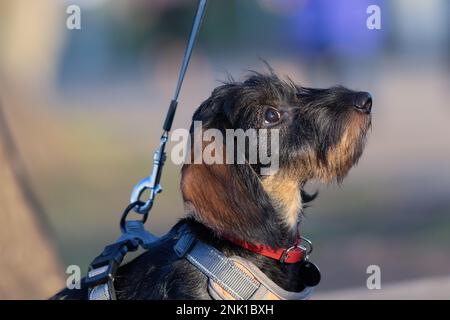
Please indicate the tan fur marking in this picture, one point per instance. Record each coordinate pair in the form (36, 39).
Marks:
(285, 195)
(341, 156)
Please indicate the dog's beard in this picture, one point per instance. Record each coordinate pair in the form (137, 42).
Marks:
(346, 152)
(330, 162)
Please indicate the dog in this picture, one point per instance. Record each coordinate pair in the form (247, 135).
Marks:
(322, 134)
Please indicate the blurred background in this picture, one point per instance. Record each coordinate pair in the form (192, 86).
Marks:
(82, 113)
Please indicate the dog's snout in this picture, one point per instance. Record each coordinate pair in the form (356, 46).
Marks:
(363, 102)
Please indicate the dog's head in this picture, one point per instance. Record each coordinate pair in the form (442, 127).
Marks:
(320, 134)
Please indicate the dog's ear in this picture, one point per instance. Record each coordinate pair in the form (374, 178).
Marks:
(230, 202)
(218, 110)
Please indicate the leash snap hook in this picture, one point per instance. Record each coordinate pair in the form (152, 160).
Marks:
(151, 182)
(136, 194)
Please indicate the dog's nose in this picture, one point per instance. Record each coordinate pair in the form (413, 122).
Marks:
(363, 102)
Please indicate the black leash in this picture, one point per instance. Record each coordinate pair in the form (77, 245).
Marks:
(152, 182)
(102, 270)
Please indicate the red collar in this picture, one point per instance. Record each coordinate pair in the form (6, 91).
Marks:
(292, 254)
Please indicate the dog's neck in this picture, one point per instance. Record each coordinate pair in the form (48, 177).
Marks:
(284, 193)
(231, 200)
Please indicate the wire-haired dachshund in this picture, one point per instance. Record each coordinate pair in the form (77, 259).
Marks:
(321, 135)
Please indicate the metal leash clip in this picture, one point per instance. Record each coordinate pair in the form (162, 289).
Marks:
(152, 182)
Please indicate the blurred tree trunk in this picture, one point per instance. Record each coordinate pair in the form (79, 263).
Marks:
(30, 34)
(29, 268)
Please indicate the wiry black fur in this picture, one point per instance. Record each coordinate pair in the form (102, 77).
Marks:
(312, 124)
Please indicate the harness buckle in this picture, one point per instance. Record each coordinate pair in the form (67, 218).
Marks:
(104, 267)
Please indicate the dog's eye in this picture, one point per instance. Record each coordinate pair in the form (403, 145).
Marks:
(271, 116)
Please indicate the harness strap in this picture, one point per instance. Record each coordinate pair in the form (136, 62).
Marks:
(102, 292)
(216, 267)
(102, 271)
(232, 278)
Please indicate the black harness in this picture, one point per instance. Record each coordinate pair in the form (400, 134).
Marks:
(229, 278)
